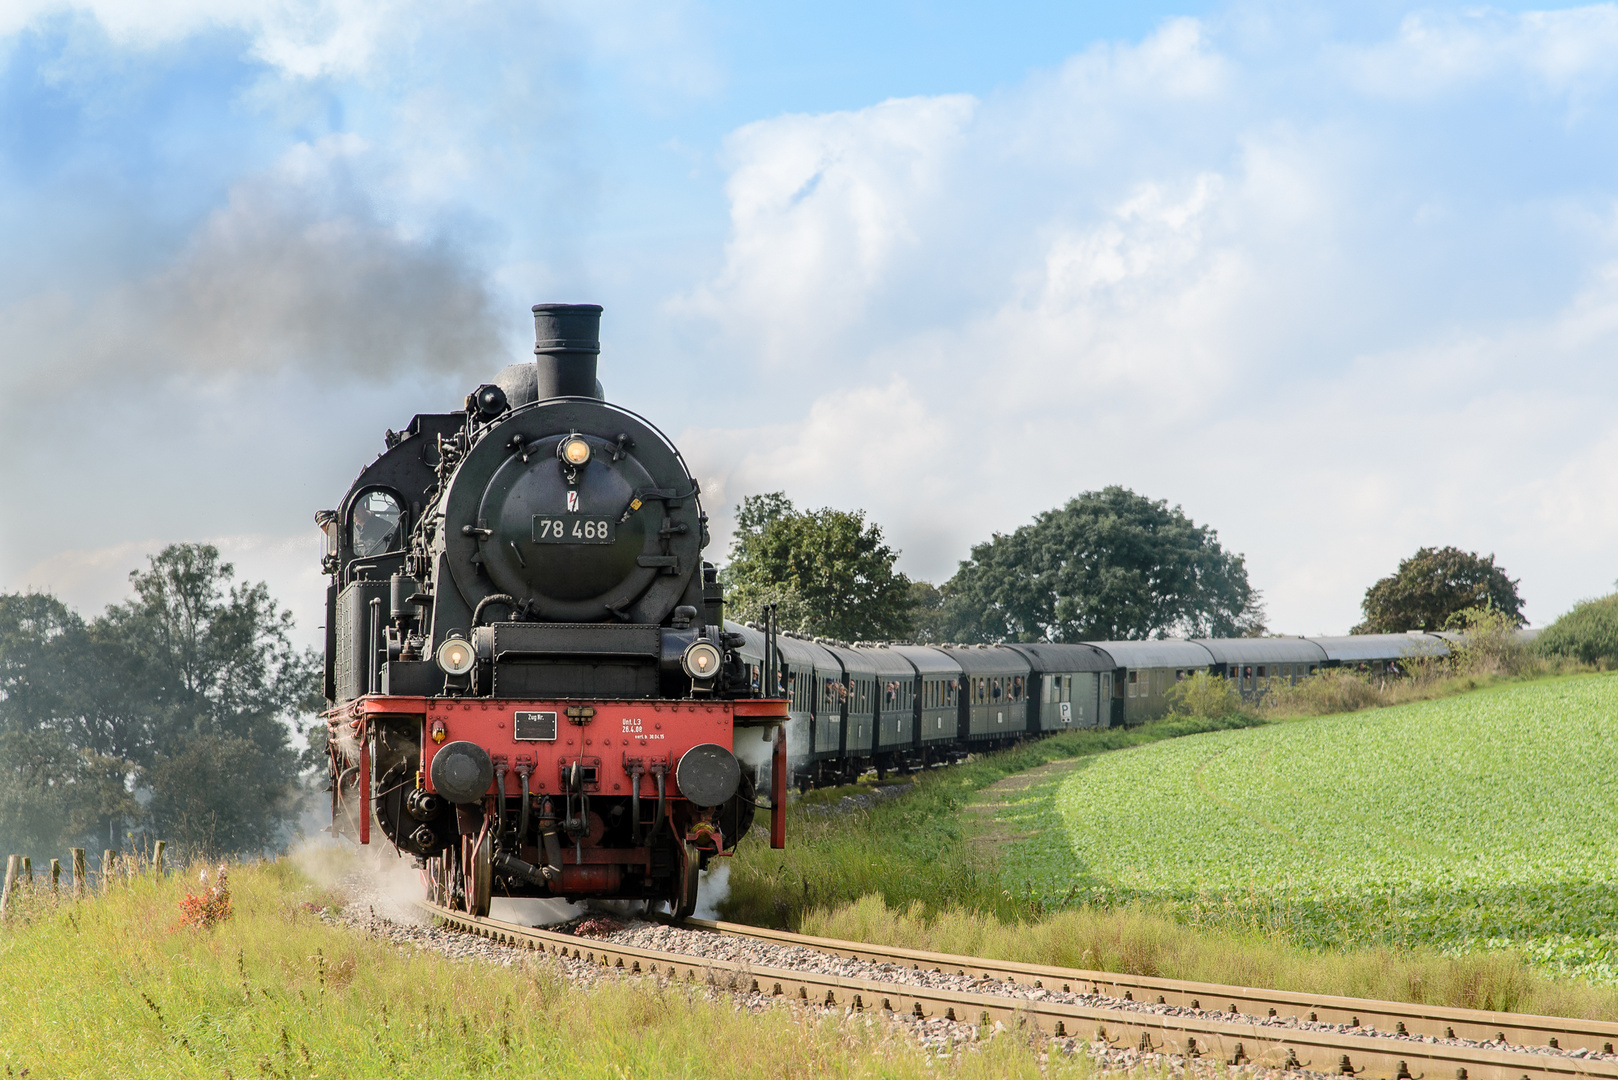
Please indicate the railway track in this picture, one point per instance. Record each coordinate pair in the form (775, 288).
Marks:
(1391, 1017)
(1222, 1032)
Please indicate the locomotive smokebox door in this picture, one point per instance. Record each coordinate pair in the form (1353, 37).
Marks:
(462, 772)
(708, 774)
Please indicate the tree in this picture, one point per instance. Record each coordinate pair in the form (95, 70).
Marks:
(1588, 633)
(183, 694)
(213, 662)
(1433, 585)
(1109, 565)
(62, 781)
(930, 619)
(828, 571)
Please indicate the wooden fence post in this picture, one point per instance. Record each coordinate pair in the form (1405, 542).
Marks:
(78, 871)
(109, 859)
(157, 857)
(56, 878)
(28, 870)
(13, 864)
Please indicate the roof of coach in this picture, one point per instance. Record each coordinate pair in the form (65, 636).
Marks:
(1360, 647)
(986, 659)
(794, 650)
(1061, 656)
(801, 651)
(928, 660)
(1162, 653)
(752, 641)
(1264, 650)
(887, 661)
(1524, 635)
(856, 662)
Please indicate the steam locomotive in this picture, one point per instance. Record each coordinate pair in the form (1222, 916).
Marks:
(531, 686)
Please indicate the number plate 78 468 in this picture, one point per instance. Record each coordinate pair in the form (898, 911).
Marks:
(572, 530)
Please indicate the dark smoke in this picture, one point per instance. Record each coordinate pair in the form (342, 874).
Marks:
(286, 275)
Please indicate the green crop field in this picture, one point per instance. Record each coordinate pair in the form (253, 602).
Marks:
(1478, 822)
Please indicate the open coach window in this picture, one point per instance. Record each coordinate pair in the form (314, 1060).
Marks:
(374, 525)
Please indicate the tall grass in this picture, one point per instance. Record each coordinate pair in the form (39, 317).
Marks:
(1140, 941)
(1491, 654)
(107, 987)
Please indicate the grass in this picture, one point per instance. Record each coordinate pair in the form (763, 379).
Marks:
(108, 987)
(1483, 822)
(906, 872)
(911, 849)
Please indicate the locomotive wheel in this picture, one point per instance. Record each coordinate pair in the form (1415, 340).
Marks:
(433, 879)
(479, 873)
(684, 901)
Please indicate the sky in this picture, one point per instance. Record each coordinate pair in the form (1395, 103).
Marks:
(1340, 281)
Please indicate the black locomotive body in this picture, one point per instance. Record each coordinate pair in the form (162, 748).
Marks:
(531, 685)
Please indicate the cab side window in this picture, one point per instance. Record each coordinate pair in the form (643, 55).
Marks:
(374, 525)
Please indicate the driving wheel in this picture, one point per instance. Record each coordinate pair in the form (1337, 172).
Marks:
(684, 901)
(479, 877)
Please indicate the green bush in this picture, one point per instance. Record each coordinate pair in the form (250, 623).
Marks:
(1588, 634)
(1205, 696)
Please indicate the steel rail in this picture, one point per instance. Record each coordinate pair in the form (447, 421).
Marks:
(1234, 1041)
(1478, 1025)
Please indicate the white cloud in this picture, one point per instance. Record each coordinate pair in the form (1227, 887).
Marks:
(383, 39)
(1563, 51)
(1260, 319)
(302, 38)
(821, 209)
(1177, 62)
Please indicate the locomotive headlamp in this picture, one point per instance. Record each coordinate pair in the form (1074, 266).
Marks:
(575, 451)
(456, 657)
(701, 661)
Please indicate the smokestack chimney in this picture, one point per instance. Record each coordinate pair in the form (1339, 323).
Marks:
(567, 339)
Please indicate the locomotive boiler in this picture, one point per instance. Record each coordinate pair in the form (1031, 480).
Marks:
(531, 686)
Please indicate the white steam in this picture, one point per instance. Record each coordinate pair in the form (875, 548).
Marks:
(713, 889)
(374, 875)
(533, 911)
(753, 747)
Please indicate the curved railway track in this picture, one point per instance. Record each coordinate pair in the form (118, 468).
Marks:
(1231, 1025)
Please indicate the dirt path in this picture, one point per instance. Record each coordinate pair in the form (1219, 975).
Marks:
(984, 829)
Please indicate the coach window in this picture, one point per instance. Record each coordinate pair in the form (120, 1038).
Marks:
(1133, 682)
(374, 525)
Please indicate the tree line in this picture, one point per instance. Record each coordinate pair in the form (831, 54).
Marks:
(186, 713)
(1108, 565)
(169, 715)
